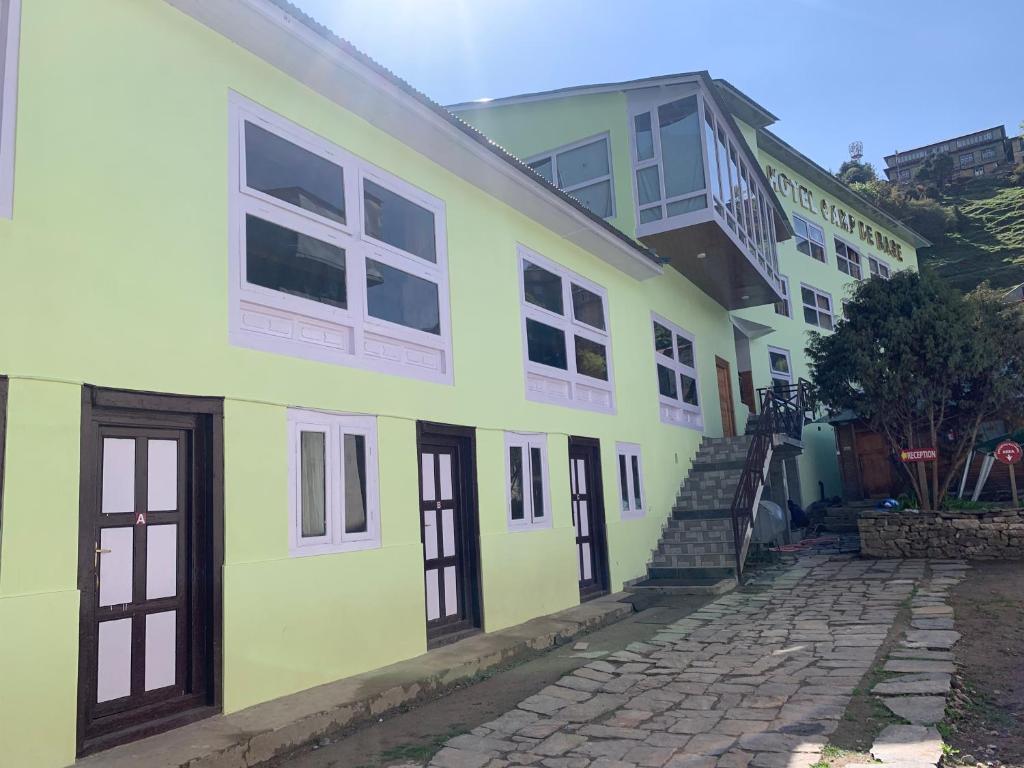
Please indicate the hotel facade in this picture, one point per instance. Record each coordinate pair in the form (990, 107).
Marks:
(302, 375)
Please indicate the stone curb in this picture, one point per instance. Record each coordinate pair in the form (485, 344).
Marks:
(251, 736)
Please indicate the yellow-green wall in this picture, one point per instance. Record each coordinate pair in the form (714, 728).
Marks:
(115, 274)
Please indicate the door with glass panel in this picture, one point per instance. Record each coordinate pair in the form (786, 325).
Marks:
(146, 573)
(587, 501)
(449, 531)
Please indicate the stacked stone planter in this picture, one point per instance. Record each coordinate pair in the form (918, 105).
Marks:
(980, 534)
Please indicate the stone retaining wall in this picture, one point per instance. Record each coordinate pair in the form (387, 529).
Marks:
(981, 535)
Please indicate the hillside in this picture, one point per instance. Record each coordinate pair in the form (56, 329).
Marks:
(990, 242)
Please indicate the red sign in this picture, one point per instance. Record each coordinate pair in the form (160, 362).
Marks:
(1009, 452)
(918, 454)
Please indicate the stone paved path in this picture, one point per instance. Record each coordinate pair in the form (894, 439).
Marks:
(758, 678)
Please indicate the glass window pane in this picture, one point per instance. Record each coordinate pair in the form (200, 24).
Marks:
(537, 476)
(662, 340)
(399, 297)
(817, 251)
(648, 185)
(685, 351)
(650, 214)
(723, 170)
(597, 198)
(637, 499)
(544, 168)
(587, 307)
(392, 219)
(545, 345)
(355, 483)
(681, 156)
(623, 483)
(290, 262)
(735, 180)
(823, 302)
(591, 359)
(810, 316)
(689, 388)
(542, 288)
(825, 321)
(667, 382)
(807, 294)
(579, 165)
(313, 483)
(691, 204)
(290, 173)
(515, 466)
(709, 147)
(779, 362)
(644, 136)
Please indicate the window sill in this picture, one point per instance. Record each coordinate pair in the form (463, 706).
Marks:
(312, 550)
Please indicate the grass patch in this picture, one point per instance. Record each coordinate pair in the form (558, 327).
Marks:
(420, 752)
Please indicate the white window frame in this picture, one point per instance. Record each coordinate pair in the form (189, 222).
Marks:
(831, 312)
(787, 300)
(272, 321)
(545, 383)
(856, 262)
(775, 374)
(878, 268)
(552, 155)
(10, 32)
(526, 441)
(675, 410)
(812, 228)
(334, 426)
(629, 451)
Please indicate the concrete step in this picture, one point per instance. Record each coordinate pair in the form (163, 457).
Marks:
(683, 587)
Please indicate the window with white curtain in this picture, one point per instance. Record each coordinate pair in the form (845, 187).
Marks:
(675, 356)
(526, 481)
(631, 485)
(582, 169)
(334, 492)
(848, 259)
(10, 25)
(333, 259)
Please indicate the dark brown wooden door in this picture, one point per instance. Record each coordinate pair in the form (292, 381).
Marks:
(448, 529)
(725, 401)
(146, 572)
(875, 465)
(588, 516)
(747, 396)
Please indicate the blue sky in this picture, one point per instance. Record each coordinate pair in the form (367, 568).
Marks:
(893, 74)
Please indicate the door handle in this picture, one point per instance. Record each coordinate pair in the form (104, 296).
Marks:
(103, 550)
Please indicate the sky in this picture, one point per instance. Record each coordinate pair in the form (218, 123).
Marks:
(894, 74)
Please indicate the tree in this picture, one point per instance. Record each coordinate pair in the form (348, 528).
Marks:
(924, 366)
(937, 170)
(855, 171)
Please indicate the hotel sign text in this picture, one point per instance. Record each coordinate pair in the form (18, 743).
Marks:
(839, 217)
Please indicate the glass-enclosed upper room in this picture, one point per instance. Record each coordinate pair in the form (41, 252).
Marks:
(700, 199)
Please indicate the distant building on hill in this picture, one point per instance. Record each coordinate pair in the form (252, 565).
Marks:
(982, 153)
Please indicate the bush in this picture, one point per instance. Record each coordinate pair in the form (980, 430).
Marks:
(1017, 175)
(931, 219)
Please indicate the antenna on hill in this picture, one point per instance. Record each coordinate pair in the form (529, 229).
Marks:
(856, 151)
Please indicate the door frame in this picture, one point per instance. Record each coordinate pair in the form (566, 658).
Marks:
(206, 415)
(3, 441)
(723, 364)
(465, 438)
(598, 524)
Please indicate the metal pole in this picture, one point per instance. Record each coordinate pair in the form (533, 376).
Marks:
(1013, 485)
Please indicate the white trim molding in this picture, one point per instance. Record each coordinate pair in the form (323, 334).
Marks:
(632, 501)
(10, 32)
(527, 506)
(827, 309)
(675, 364)
(352, 326)
(780, 375)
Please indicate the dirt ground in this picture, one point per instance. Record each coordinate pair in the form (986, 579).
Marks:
(986, 722)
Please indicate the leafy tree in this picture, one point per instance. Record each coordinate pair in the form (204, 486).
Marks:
(855, 171)
(924, 366)
(937, 170)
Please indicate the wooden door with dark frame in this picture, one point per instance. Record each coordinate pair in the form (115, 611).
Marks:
(150, 554)
(449, 530)
(587, 500)
(725, 402)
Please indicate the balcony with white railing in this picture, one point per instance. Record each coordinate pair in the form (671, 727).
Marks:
(701, 201)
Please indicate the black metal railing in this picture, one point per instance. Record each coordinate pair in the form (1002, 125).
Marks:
(784, 410)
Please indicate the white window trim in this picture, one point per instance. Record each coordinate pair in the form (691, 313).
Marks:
(629, 450)
(876, 266)
(784, 289)
(552, 156)
(837, 241)
(334, 426)
(831, 305)
(271, 321)
(526, 441)
(675, 411)
(10, 32)
(544, 383)
(775, 374)
(811, 227)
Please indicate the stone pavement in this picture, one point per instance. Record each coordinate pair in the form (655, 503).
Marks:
(759, 677)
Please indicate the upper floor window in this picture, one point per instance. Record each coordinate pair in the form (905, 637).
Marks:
(989, 153)
(905, 175)
(780, 366)
(333, 479)
(810, 239)
(10, 25)
(817, 307)
(848, 259)
(675, 359)
(583, 170)
(631, 496)
(529, 502)
(332, 258)
(878, 268)
(784, 307)
(565, 335)
(966, 159)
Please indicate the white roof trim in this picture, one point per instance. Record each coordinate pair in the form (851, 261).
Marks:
(583, 90)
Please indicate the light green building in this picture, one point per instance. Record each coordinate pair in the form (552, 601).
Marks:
(300, 375)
